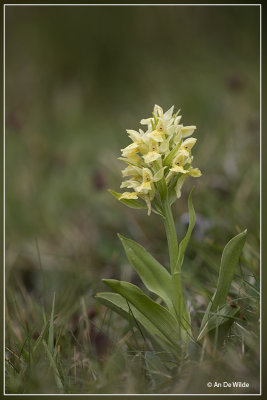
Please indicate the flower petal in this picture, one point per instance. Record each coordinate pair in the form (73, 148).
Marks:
(188, 130)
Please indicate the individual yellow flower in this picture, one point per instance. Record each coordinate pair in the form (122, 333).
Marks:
(157, 135)
(194, 172)
(147, 183)
(178, 164)
(148, 198)
(132, 159)
(131, 170)
(153, 152)
(128, 196)
(133, 148)
(165, 122)
(164, 146)
(134, 135)
(140, 139)
(188, 130)
(188, 144)
(130, 183)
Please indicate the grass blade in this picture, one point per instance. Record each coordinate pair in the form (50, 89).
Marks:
(51, 327)
(54, 368)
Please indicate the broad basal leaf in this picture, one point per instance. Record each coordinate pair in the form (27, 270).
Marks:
(118, 304)
(159, 316)
(156, 278)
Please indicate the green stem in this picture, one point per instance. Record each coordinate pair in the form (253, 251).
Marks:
(171, 233)
(182, 314)
(178, 298)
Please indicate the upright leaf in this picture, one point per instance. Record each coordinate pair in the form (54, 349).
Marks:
(230, 257)
(156, 278)
(159, 316)
(184, 242)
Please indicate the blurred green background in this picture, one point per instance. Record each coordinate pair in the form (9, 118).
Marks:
(76, 78)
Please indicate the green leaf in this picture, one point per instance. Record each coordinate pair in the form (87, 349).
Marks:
(184, 242)
(159, 316)
(156, 278)
(132, 203)
(225, 315)
(117, 303)
(230, 257)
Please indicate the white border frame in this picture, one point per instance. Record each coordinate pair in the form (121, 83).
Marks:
(4, 149)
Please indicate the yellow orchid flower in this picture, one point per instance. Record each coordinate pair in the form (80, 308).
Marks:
(148, 198)
(147, 183)
(131, 170)
(158, 153)
(188, 130)
(128, 196)
(178, 164)
(134, 135)
(194, 172)
(165, 122)
(133, 148)
(188, 144)
(132, 159)
(130, 183)
(158, 134)
(153, 152)
(140, 139)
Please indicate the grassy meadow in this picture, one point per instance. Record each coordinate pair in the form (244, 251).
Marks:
(76, 78)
